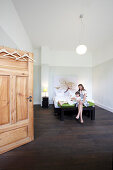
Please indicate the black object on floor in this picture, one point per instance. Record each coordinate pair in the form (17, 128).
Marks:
(90, 110)
(45, 102)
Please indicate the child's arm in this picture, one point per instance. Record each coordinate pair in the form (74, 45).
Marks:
(78, 100)
(73, 98)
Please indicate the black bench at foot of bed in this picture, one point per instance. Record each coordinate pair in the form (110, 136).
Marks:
(62, 109)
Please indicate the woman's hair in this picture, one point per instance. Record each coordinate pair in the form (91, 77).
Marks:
(81, 86)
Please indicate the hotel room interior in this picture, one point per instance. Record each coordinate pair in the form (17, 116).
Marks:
(48, 48)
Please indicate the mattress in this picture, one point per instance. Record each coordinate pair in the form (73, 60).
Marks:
(67, 100)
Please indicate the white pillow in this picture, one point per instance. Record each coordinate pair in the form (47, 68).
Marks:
(59, 92)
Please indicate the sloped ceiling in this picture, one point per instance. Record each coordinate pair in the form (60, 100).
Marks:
(56, 23)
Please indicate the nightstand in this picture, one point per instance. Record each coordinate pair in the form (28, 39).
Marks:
(45, 102)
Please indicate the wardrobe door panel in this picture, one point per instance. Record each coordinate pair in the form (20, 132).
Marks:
(4, 100)
(21, 98)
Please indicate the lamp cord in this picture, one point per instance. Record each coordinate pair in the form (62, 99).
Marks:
(81, 30)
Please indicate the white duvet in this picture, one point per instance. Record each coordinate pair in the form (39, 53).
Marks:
(65, 97)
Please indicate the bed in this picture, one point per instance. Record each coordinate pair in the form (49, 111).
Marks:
(70, 105)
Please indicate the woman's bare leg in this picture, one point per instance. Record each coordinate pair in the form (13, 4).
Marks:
(81, 110)
(77, 117)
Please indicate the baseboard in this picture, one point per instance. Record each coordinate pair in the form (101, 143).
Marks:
(40, 104)
(36, 103)
(104, 107)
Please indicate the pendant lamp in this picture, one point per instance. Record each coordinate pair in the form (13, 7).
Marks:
(81, 49)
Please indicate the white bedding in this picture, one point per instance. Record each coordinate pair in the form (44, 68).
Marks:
(65, 97)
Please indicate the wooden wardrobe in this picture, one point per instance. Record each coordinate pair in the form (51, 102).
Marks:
(16, 98)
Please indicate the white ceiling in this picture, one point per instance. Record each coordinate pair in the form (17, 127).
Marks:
(56, 23)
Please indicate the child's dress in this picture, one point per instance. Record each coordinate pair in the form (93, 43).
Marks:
(77, 100)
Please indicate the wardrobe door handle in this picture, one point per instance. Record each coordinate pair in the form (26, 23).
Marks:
(29, 98)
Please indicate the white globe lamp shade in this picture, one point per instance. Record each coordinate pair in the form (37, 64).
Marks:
(81, 49)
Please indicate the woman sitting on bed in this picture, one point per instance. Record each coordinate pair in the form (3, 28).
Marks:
(83, 101)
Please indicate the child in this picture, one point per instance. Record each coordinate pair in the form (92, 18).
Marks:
(77, 98)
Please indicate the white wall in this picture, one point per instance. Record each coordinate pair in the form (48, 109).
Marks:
(82, 75)
(44, 77)
(103, 54)
(59, 63)
(37, 76)
(103, 77)
(11, 25)
(37, 84)
(103, 85)
(69, 59)
(51, 63)
(96, 73)
(65, 58)
(6, 40)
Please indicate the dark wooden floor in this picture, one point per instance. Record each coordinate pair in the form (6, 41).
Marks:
(66, 145)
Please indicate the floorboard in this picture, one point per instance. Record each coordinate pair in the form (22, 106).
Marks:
(66, 145)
